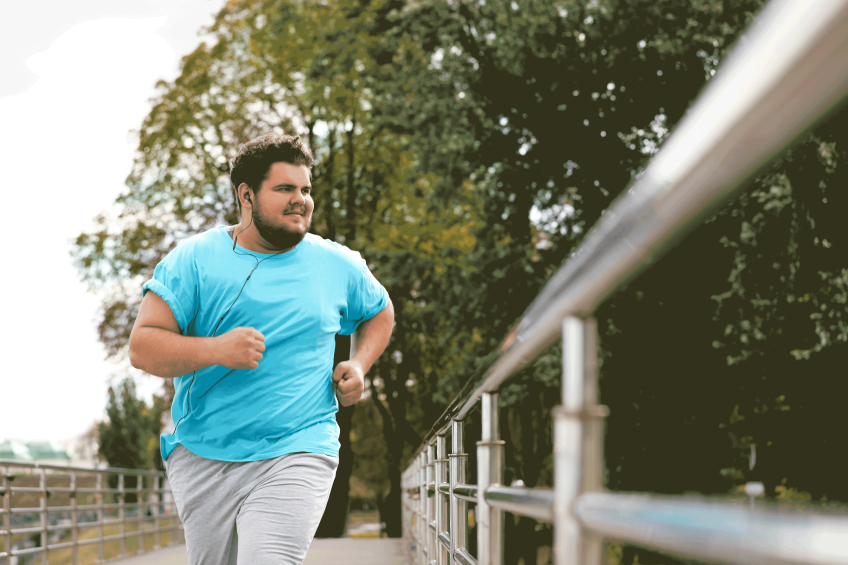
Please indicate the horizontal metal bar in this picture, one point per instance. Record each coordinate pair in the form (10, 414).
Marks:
(127, 505)
(26, 509)
(466, 492)
(60, 490)
(718, 531)
(433, 525)
(81, 507)
(464, 558)
(108, 470)
(444, 488)
(789, 71)
(92, 541)
(114, 537)
(444, 537)
(131, 519)
(532, 502)
(16, 531)
(130, 534)
(27, 551)
(63, 545)
(23, 510)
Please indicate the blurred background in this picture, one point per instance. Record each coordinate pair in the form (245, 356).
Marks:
(464, 148)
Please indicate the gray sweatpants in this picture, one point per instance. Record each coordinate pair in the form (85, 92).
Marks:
(253, 513)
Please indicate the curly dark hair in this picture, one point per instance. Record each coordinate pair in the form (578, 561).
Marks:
(255, 158)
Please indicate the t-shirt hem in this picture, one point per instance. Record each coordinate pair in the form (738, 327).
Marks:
(263, 456)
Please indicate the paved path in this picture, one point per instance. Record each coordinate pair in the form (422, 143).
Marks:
(175, 555)
(322, 552)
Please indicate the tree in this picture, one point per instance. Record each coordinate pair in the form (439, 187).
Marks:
(129, 438)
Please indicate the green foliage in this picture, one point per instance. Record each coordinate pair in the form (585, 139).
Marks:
(129, 438)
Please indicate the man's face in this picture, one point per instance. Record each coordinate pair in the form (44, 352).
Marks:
(282, 211)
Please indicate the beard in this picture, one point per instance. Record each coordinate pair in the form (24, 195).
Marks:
(281, 237)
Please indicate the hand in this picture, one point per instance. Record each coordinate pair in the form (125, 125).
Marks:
(349, 382)
(240, 348)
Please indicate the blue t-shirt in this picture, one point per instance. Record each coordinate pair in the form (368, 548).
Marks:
(299, 300)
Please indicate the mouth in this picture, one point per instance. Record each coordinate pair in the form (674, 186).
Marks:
(294, 214)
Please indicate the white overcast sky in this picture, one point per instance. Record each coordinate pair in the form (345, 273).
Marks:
(75, 77)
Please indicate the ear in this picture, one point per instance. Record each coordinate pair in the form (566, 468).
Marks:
(244, 195)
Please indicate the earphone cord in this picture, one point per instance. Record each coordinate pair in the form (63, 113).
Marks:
(258, 262)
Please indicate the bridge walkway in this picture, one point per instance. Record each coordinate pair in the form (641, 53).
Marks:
(350, 551)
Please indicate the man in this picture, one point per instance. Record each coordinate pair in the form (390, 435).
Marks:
(244, 319)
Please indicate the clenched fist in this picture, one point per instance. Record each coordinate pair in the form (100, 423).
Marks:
(240, 348)
(349, 382)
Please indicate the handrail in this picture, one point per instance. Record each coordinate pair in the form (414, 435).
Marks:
(155, 499)
(715, 531)
(789, 70)
(792, 64)
(57, 467)
(535, 503)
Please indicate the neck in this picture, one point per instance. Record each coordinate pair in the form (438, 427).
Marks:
(247, 236)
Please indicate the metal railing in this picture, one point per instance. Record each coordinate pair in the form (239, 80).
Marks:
(789, 69)
(82, 493)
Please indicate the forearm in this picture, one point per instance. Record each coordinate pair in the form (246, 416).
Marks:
(167, 354)
(372, 336)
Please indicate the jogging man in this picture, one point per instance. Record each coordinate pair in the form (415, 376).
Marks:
(244, 319)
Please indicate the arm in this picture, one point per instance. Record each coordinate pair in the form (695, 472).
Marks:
(369, 341)
(158, 347)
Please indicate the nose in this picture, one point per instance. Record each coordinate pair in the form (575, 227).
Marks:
(298, 197)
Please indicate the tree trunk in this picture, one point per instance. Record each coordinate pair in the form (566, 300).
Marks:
(391, 514)
(390, 507)
(351, 184)
(334, 522)
(327, 210)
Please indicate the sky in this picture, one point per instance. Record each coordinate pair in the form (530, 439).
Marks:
(75, 79)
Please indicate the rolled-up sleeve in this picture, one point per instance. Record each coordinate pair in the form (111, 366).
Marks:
(175, 281)
(366, 298)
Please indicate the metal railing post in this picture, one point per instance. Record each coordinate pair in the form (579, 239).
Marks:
(422, 508)
(442, 557)
(139, 498)
(42, 484)
(432, 541)
(121, 515)
(157, 540)
(458, 507)
(489, 472)
(578, 443)
(7, 514)
(99, 497)
(74, 520)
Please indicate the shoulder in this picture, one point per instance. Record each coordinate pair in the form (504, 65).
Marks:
(332, 251)
(197, 244)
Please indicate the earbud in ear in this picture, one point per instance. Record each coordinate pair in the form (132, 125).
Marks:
(247, 197)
